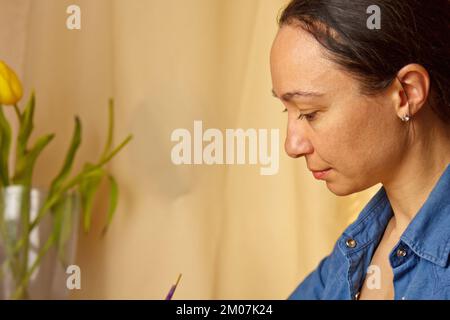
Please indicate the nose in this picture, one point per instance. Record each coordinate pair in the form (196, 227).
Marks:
(297, 143)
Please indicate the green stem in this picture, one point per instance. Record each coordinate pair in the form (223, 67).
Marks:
(19, 115)
(21, 290)
(18, 260)
(52, 199)
(25, 217)
(76, 180)
(10, 259)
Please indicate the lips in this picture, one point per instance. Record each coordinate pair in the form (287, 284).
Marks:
(318, 170)
(320, 174)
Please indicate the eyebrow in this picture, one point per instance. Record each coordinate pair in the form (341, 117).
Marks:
(298, 93)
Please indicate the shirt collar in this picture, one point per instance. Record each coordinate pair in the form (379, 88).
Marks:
(427, 234)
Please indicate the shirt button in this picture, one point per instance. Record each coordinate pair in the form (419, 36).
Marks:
(351, 243)
(401, 252)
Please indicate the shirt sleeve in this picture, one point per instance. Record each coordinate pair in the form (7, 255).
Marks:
(314, 284)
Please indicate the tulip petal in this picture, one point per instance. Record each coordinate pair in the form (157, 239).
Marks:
(10, 87)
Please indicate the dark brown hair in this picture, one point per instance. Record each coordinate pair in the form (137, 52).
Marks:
(412, 31)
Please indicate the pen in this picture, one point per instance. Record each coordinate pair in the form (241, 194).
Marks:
(172, 289)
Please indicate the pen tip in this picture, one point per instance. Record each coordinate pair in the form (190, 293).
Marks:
(178, 280)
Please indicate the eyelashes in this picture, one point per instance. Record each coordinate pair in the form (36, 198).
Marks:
(307, 116)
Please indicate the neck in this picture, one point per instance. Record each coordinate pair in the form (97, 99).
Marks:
(410, 183)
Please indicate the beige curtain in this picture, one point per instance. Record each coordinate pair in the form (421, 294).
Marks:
(231, 232)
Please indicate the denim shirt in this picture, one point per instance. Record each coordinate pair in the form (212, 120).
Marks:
(419, 261)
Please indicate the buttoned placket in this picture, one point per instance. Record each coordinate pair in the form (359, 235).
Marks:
(398, 257)
(351, 243)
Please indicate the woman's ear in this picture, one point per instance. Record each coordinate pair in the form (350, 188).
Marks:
(414, 90)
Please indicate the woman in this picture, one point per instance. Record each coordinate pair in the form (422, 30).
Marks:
(365, 106)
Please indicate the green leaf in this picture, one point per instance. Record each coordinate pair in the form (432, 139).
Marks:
(115, 151)
(110, 133)
(113, 200)
(89, 171)
(5, 145)
(63, 212)
(25, 164)
(68, 163)
(26, 127)
(88, 187)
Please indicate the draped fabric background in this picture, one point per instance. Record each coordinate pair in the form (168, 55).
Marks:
(231, 232)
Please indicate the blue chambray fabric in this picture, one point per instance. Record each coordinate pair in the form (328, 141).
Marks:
(423, 273)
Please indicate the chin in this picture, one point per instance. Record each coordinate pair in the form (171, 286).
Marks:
(342, 189)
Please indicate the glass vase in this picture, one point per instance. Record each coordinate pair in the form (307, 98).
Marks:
(36, 252)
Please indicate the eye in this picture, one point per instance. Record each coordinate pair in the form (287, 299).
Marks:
(308, 117)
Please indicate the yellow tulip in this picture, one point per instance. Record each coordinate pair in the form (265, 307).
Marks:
(10, 87)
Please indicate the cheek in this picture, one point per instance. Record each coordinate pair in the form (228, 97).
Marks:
(359, 140)
(337, 135)
(378, 137)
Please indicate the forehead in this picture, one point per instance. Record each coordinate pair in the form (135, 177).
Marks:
(298, 61)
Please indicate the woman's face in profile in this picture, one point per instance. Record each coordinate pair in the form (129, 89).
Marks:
(359, 137)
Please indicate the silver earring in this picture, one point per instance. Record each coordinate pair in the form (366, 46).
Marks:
(406, 118)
